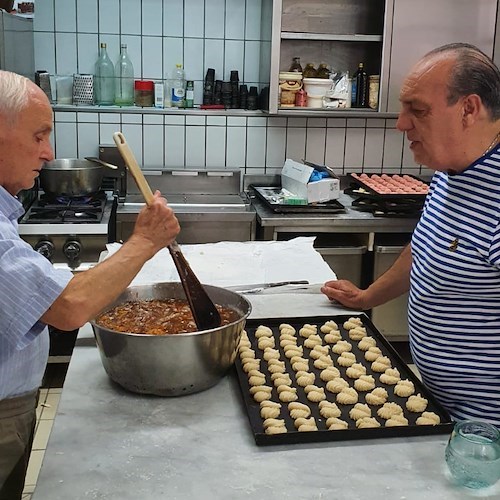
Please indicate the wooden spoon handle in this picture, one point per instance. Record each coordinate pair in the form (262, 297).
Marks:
(133, 166)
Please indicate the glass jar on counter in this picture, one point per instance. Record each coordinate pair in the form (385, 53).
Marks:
(310, 71)
(144, 93)
(373, 90)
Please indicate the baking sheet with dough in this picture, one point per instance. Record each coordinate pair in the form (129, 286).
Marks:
(229, 263)
(293, 436)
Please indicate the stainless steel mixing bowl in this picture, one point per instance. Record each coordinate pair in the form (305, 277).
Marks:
(171, 365)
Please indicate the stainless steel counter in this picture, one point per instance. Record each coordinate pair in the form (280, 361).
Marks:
(352, 221)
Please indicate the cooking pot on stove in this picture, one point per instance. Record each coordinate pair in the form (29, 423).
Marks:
(71, 177)
(171, 365)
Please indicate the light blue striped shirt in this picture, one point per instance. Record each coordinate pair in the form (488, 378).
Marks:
(29, 284)
(454, 305)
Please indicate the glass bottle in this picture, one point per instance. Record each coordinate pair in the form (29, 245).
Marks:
(104, 74)
(296, 65)
(323, 71)
(124, 79)
(361, 79)
(310, 71)
(178, 87)
(189, 94)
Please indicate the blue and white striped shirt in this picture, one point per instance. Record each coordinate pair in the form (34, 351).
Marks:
(454, 304)
(29, 284)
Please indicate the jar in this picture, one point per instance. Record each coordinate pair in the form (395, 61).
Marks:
(295, 66)
(473, 454)
(310, 71)
(373, 88)
(323, 71)
(290, 84)
(144, 93)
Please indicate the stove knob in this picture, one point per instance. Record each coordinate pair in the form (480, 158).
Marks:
(72, 249)
(45, 248)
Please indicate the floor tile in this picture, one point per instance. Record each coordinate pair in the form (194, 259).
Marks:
(42, 434)
(34, 466)
(50, 406)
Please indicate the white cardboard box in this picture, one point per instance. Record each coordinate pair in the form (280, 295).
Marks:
(295, 178)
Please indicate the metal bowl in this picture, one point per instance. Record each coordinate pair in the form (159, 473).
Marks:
(171, 365)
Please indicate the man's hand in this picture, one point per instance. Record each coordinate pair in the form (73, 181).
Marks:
(346, 293)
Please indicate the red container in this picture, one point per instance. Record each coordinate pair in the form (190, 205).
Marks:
(144, 93)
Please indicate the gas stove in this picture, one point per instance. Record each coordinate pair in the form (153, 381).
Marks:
(70, 232)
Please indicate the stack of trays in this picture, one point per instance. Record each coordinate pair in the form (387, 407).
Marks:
(330, 378)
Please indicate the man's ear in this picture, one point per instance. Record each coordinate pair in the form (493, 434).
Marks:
(471, 109)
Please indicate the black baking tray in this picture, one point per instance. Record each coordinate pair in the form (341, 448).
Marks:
(269, 195)
(323, 434)
(360, 188)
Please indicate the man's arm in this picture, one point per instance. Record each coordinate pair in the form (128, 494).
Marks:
(393, 283)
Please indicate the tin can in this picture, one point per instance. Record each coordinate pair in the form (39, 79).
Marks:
(373, 89)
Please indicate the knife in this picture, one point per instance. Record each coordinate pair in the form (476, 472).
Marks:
(253, 288)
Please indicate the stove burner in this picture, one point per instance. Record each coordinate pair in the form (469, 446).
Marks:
(61, 209)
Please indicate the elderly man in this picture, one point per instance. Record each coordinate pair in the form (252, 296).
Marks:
(451, 116)
(32, 293)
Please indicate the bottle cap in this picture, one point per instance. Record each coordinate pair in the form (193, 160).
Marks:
(144, 85)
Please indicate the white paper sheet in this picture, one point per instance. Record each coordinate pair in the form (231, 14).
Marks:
(234, 263)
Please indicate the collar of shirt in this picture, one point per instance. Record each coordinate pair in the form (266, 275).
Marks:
(10, 206)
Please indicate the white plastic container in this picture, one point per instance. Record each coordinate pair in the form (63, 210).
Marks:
(316, 89)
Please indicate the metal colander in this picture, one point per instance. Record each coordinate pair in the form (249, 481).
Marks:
(83, 89)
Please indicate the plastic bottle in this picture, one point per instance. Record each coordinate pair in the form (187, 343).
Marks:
(124, 79)
(361, 79)
(104, 78)
(178, 87)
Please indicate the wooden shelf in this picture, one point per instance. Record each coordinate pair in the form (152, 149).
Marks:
(288, 35)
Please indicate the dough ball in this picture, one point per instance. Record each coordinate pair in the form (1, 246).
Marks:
(390, 377)
(304, 378)
(355, 370)
(389, 409)
(335, 424)
(360, 410)
(367, 422)
(300, 366)
(347, 396)
(329, 373)
(323, 362)
(366, 342)
(352, 323)
(263, 331)
(346, 359)
(276, 430)
(336, 385)
(333, 337)
(256, 379)
(428, 418)
(317, 395)
(357, 333)
(377, 397)
(364, 383)
(342, 346)
(270, 353)
(307, 330)
(327, 409)
(329, 326)
(398, 420)
(372, 353)
(267, 412)
(381, 364)
(247, 354)
(251, 364)
(265, 342)
(312, 341)
(404, 388)
(416, 403)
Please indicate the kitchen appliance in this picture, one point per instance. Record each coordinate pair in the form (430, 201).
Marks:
(171, 365)
(209, 204)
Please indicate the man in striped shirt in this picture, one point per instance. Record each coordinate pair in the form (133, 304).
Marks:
(451, 116)
(32, 293)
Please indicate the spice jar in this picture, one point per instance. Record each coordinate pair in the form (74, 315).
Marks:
(373, 88)
(144, 93)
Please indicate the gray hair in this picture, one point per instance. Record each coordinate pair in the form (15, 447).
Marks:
(473, 73)
(14, 94)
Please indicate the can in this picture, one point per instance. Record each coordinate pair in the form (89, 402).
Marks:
(301, 98)
(373, 89)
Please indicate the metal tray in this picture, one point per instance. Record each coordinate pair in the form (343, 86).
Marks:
(368, 191)
(292, 436)
(270, 196)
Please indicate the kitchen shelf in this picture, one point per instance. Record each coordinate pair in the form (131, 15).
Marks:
(286, 35)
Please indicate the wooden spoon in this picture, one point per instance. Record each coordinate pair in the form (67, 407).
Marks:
(206, 315)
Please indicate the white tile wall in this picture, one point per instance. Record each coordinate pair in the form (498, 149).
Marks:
(222, 34)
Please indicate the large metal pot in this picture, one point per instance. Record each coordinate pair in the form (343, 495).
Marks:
(171, 365)
(71, 177)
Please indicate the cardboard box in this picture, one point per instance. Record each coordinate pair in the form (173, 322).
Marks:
(295, 178)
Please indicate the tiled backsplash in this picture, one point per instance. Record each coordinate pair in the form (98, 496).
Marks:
(223, 34)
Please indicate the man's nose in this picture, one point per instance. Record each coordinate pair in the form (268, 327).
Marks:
(404, 122)
(47, 152)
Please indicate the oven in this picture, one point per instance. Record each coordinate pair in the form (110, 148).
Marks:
(71, 232)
